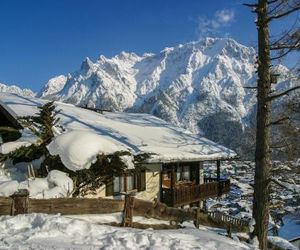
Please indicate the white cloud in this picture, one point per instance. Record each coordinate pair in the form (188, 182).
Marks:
(212, 26)
(225, 16)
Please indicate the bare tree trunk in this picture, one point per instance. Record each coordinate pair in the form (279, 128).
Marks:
(263, 130)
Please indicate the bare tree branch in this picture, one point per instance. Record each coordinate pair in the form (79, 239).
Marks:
(286, 46)
(281, 55)
(280, 184)
(272, 97)
(290, 33)
(272, 1)
(276, 8)
(249, 87)
(251, 5)
(282, 14)
(279, 121)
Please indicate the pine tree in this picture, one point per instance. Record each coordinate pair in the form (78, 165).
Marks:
(42, 124)
(46, 120)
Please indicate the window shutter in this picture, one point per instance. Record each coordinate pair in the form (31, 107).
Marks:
(141, 181)
(109, 190)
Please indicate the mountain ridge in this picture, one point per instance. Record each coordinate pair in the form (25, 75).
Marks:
(198, 86)
(16, 90)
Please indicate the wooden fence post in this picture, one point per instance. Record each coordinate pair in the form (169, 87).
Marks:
(20, 202)
(128, 210)
(229, 230)
(197, 220)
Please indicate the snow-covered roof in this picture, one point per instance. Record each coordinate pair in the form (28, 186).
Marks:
(136, 132)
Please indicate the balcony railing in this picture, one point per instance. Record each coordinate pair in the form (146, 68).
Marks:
(187, 193)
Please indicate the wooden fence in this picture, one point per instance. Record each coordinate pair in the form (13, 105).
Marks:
(20, 203)
(219, 217)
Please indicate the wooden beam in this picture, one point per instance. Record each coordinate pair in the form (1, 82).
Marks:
(7, 119)
(128, 210)
(173, 182)
(197, 173)
(20, 202)
(173, 177)
(161, 184)
(218, 170)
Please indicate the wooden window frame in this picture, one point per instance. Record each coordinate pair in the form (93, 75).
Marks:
(125, 182)
(180, 170)
(139, 183)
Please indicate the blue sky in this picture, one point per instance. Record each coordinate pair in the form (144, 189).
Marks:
(40, 39)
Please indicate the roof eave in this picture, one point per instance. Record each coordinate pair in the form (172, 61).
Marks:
(223, 158)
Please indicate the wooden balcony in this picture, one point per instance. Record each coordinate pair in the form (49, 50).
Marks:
(187, 193)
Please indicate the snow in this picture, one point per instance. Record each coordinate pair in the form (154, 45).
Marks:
(291, 186)
(53, 86)
(138, 133)
(16, 90)
(198, 86)
(40, 231)
(215, 67)
(281, 243)
(128, 160)
(79, 149)
(27, 138)
(56, 185)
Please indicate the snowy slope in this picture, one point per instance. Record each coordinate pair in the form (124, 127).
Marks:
(41, 231)
(88, 133)
(16, 90)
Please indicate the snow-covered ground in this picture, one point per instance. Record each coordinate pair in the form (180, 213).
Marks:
(37, 231)
(40, 231)
(239, 201)
(56, 185)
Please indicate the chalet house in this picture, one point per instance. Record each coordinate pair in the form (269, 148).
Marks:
(174, 172)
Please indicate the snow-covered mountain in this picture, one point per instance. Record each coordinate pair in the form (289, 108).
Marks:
(16, 90)
(198, 86)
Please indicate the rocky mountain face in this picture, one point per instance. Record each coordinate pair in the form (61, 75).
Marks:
(16, 90)
(198, 86)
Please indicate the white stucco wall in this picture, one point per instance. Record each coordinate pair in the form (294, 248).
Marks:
(100, 192)
(152, 184)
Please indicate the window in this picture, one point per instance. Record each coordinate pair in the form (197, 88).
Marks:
(183, 173)
(186, 175)
(131, 182)
(118, 184)
(178, 173)
(126, 183)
